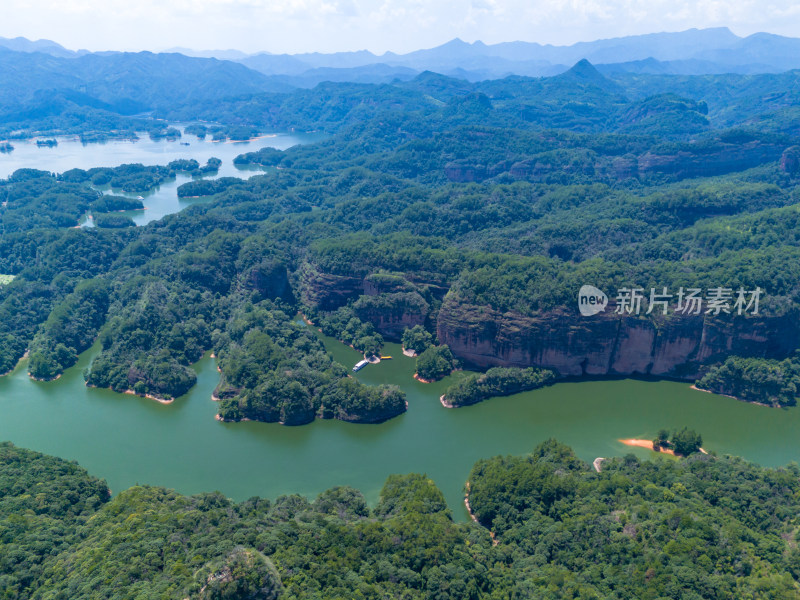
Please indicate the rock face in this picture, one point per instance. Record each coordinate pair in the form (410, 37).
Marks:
(391, 313)
(790, 160)
(325, 291)
(694, 162)
(468, 172)
(389, 302)
(609, 344)
(271, 280)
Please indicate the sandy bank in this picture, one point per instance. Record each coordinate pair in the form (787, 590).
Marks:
(694, 387)
(56, 378)
(409, 353)
(649, 445)
(219, 418)
(444, 402)
(421, 380)
(646, 444)
(150, 397)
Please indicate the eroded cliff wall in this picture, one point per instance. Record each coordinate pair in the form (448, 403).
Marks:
(607, 343)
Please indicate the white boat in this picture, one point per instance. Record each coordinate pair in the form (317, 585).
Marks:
(360, 365)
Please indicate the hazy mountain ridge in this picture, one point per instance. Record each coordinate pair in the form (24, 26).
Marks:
(37, 85)
(695, 51)
(690, 52)
(40, 92)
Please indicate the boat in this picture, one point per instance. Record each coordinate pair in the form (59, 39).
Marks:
(360, 365)
(386, 358)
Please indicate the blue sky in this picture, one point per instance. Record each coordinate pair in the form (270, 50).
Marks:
(377, 25)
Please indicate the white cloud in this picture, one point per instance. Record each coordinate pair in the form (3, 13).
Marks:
(398, 25)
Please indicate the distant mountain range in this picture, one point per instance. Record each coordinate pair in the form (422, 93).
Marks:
(691, 52)
(37, 85)
(45, 87)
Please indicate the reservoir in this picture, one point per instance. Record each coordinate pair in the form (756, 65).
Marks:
(70, 153)
(129, 440)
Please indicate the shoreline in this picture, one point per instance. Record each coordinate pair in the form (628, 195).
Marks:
(218, 417)
(474, 518)
(444, 402)
(16, 365)
(41, 379)
(421, 380)
(648, 444)
(409, 353)
(150, 397)
(694, 387)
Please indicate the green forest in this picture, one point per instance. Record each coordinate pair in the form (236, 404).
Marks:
(546, 526)
(445, 225)
(460, 219)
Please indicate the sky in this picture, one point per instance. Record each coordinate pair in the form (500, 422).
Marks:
(294, 26)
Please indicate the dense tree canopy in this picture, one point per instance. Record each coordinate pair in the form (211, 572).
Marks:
(685, 528)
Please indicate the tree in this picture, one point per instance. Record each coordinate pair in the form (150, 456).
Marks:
(436, 362)
(661, 440)
(686, 442)
(417, 339)
(296, 408)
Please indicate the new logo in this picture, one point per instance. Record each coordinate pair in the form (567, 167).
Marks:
(591, 300)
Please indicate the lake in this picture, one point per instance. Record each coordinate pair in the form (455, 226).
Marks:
(163, 200)
(130, 440)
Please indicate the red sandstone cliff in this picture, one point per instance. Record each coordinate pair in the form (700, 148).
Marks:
(608, 344)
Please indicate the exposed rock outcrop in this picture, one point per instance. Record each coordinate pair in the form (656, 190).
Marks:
(271, 279)
(392, 313)
(325, 291)
(609, 344)
(465, 172)
(388, 301)
(790, 160)
(700, 161)
(726, 159)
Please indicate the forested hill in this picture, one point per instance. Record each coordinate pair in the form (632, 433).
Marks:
(95, 88)
(474, 214)
(666, 529)
(101, 92)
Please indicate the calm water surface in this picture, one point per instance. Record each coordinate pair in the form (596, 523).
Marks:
(130, 440)
(163, 200)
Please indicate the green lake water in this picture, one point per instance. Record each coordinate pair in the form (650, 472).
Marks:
(129, 440)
